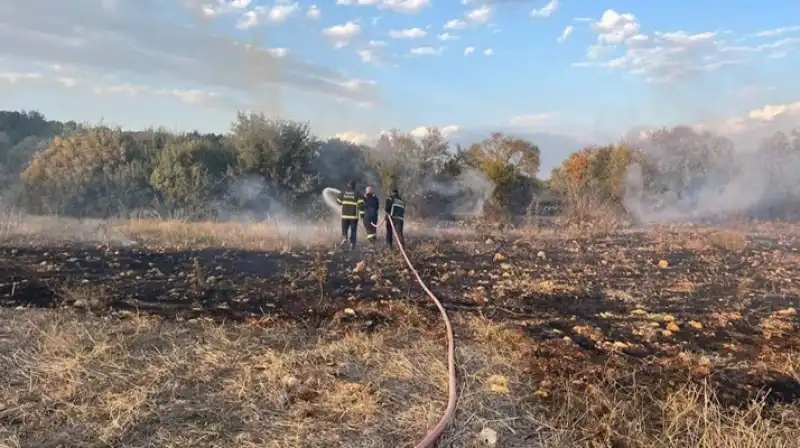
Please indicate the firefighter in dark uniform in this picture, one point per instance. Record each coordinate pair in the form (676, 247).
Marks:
(395, 210)
(349, 201)
(370, 206)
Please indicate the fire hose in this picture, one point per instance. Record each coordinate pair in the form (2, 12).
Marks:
(434, 434)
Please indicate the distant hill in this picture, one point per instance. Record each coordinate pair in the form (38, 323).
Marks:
(554, 148)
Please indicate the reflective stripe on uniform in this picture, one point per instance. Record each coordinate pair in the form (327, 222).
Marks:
(399, 205)
(349, 203)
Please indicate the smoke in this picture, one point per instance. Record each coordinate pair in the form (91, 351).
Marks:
(466, 195)
(701, 177)
(249, 199)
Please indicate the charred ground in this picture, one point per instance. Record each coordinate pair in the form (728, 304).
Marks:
(656, 308)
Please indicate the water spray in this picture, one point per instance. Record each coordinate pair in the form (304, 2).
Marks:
(330, 194)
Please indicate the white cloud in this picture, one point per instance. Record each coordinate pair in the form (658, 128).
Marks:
(123, 89)
(278, 52)
(427, 51)
(18, 78)
(566, 33)
(446, 131)
(614, 28)
(207, 10)
(314, 12)
(370, 52)
(192, 96)
(758, 123)
(666, 56)
(455, 24)
(479, 15)
(261, 14)
(342, 35)
(97, 86)
(151, 39)
(776, 31)
(547, 10)
(407, 6)
(401, 6)
(448, 36)
(488, 52)
(408, 33)
(469, 50)
(358, 138)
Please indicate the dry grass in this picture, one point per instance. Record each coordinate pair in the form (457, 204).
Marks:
(75, 379)
(140, 381)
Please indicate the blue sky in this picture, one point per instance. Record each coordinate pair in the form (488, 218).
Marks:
(620, 65)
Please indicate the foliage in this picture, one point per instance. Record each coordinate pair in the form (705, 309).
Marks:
(268, 166)
(192, 172)
(280, 153)
(511, 165)
(96, 172)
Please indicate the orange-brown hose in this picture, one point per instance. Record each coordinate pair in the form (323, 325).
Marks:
(434, 434)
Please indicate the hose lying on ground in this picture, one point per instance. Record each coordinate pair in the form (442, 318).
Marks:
(434, 434)
(329, 195)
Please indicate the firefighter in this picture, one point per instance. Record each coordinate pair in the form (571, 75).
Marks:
(370, 205)
(349, 201)
(395, 211)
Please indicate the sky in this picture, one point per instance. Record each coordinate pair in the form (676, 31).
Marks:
(589, 70)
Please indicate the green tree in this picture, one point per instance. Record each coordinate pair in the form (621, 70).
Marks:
(192, 172)
(511, 165)
(281, 153)
(94, 172)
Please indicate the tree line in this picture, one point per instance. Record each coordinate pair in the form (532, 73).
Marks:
(269, 167)
(261, 167)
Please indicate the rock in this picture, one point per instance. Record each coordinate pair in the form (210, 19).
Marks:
(488, 436)
(361, 266)
(663, 264)
(489, 241)
(673, 327)
(695, 324)
(541, 255)
(788, 312)
(350, 311)
(499, 257)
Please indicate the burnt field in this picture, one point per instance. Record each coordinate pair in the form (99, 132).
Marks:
(670, 336)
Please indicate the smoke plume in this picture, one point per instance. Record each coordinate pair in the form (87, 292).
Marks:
(696, 177)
